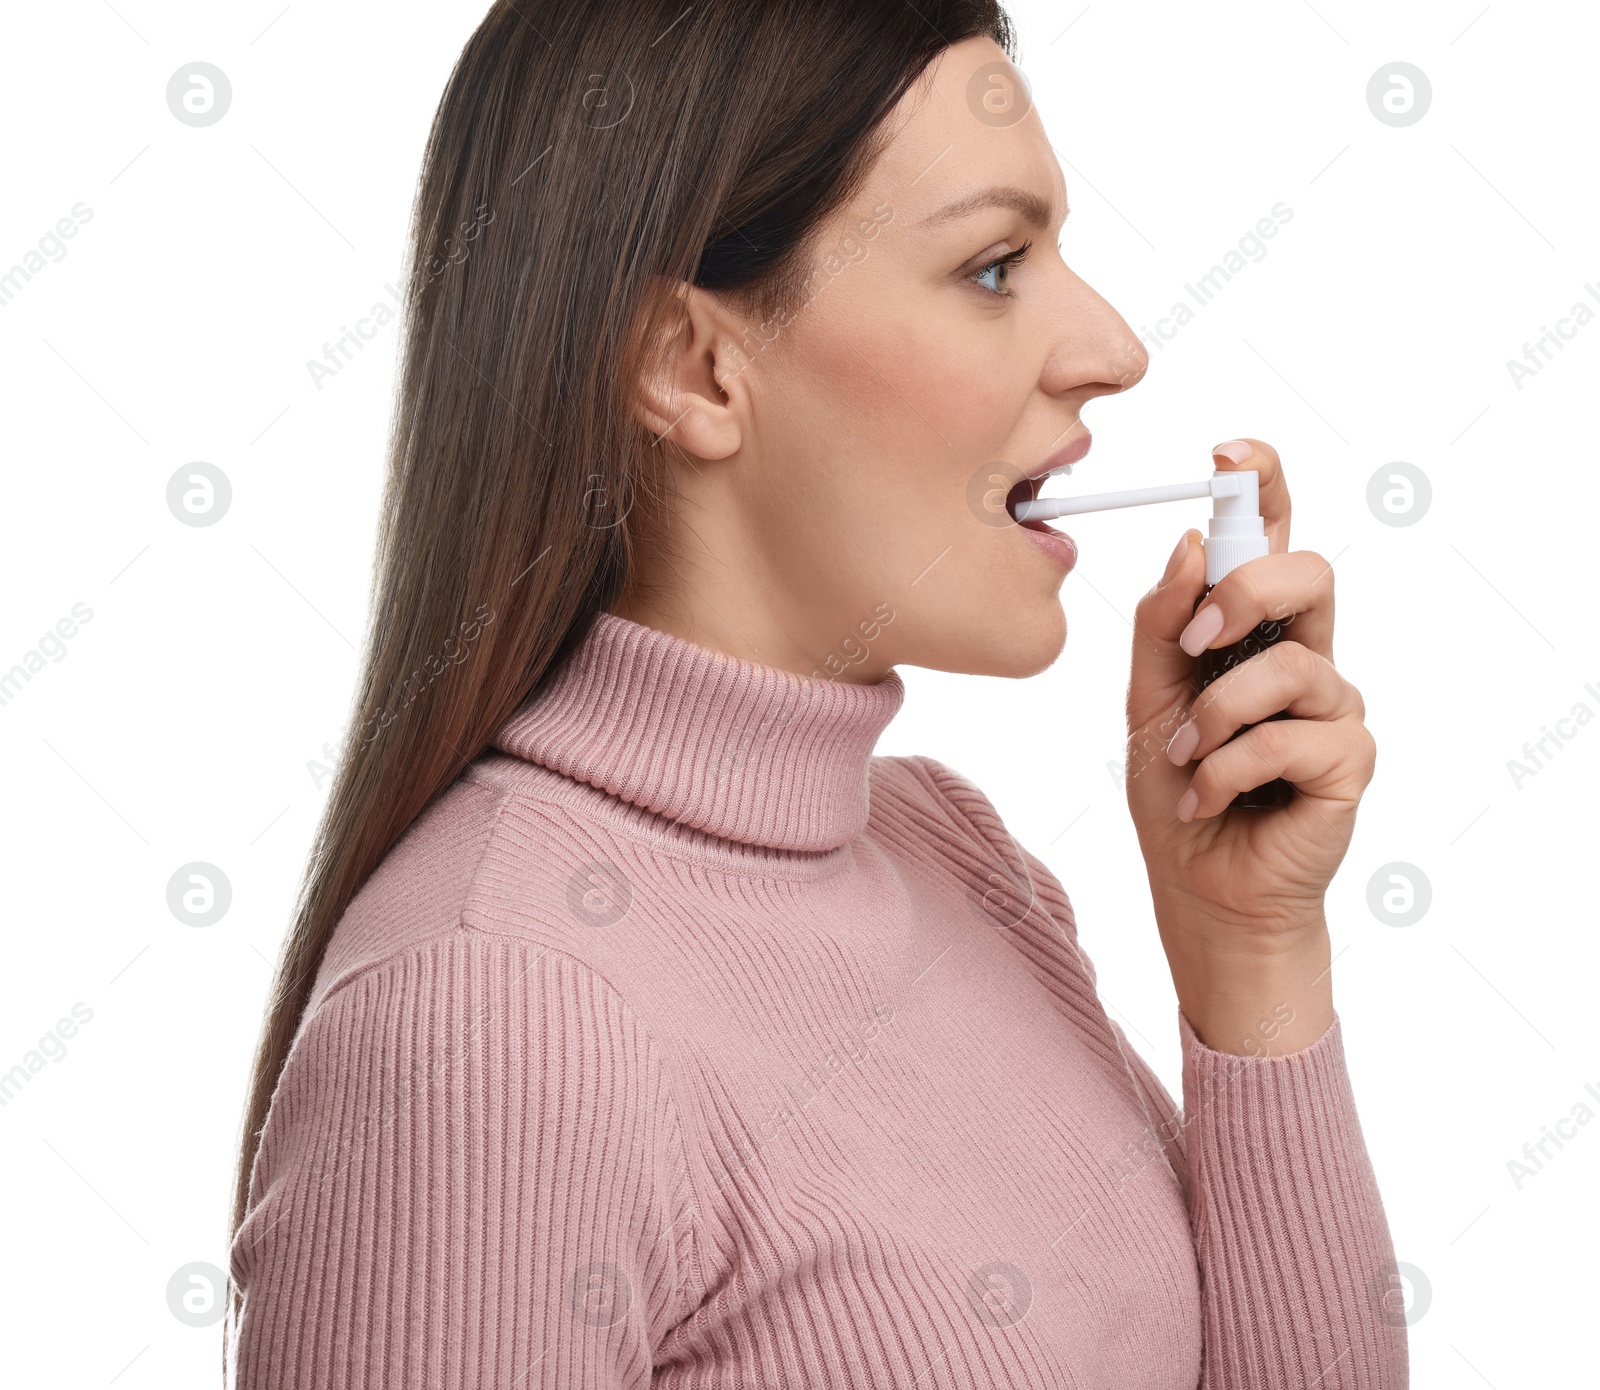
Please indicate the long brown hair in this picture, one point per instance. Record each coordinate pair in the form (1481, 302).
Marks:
(583, 160)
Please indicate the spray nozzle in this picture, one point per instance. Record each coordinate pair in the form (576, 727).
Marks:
(1236, 533)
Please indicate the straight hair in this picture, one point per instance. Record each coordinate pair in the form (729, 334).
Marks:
(583, 163)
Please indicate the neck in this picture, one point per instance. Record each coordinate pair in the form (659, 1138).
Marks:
(738, 625)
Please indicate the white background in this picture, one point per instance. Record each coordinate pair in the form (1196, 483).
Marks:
(181, 720)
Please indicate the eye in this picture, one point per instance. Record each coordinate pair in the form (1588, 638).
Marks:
(998, 267)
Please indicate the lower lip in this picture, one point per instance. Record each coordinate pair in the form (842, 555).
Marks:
(1058, 545)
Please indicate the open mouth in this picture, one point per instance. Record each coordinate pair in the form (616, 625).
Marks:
(1025, 491)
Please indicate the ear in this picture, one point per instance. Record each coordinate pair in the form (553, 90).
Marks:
(692, 388)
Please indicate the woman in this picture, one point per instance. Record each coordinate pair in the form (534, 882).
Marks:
(638, 1026)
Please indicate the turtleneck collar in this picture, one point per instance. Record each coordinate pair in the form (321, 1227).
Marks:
(739, 750)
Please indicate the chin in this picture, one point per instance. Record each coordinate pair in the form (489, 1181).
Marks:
(1036, 639)
(1026, 641)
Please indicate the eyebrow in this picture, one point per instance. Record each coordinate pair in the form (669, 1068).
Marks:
(1034, 209)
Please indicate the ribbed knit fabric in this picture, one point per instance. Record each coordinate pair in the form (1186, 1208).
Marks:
(683, 1043)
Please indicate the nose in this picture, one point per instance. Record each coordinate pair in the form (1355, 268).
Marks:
(1096, 352)
(1132, 356)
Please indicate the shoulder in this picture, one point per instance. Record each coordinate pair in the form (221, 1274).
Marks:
(467, 942)
(420, 890)
(464, 1055)
(926, 783)
(489, 855)
(476, 996)
(936, 814)
(938, 818)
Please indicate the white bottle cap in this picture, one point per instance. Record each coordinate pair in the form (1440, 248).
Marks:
(1236, 532)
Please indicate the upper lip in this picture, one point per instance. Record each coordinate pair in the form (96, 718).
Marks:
(1071, 453)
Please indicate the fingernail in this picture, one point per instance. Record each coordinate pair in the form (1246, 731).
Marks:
(1177, 554)
(1235, 450)
(1184, 742)
(1187, 804)
(1205, 625)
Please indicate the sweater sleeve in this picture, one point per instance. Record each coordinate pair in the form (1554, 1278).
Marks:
(1296, 1260)
(471, 1174)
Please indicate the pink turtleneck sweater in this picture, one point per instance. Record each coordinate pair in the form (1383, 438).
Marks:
(683, 1043)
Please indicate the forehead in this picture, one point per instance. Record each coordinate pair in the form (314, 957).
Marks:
(965, 126)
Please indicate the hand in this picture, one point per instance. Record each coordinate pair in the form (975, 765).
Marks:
(1242, 882)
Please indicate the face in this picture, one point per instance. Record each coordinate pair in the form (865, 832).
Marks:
(842, 476)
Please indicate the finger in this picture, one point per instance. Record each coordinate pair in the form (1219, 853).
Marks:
(1286, 677)
(1161, 672)
(1275, 505)
(1334, 761)
(1291, 592)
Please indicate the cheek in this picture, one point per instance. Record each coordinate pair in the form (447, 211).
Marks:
(957, 386)
(878, 368)
(881, 424)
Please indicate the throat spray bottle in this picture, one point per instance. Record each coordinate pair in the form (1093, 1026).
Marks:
(1235, 535)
